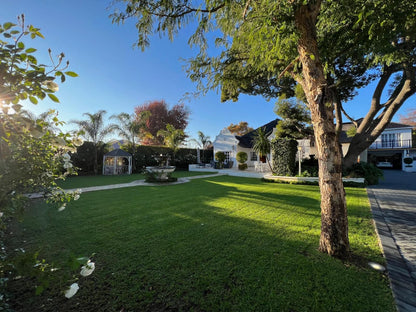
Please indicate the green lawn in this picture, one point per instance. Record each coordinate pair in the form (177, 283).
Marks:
(213, 244)
(84, 181)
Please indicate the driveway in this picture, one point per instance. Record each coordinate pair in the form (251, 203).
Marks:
(393, 203)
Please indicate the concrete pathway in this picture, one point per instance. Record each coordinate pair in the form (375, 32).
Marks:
(393, 203)
(130, 184)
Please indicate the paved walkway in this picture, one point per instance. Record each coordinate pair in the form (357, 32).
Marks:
(393, 203)
(130, 184)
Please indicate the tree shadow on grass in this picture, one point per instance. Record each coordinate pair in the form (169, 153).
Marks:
(205, 247)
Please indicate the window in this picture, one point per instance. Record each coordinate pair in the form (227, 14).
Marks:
(227, 156)
(391, 140)
(253, 156)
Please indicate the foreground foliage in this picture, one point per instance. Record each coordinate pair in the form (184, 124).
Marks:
(214, 244)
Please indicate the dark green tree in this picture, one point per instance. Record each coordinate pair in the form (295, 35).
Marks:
(329, 48)
(295, 119)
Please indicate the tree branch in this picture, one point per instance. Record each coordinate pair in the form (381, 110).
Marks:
(388, 71)
(188, 10)
(375, 102)
(355, 123)
(372, 127)
(246, 8)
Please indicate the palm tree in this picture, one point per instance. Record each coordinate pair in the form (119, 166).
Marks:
(261, 144)
(172, 137)
(203, 141)
(130, 127)
(93, 129)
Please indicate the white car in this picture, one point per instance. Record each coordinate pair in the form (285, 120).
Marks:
(384, 164)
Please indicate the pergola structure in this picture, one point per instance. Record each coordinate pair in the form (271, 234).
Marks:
(117, 162)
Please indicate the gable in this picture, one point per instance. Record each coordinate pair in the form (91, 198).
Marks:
(246, 140)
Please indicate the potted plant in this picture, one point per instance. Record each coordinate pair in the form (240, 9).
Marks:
(242, 158)
(220, 158)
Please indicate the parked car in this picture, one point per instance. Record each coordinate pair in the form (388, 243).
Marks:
(384, 164)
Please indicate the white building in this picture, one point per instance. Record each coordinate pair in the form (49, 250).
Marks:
(388, 151)
(393, 146)
(231, 144)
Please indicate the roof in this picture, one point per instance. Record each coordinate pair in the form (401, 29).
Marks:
(118, 152)
(393, 125)
(246, 140)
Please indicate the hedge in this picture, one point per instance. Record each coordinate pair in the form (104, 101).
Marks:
(83, 158)
(284, 156)
(144, 156)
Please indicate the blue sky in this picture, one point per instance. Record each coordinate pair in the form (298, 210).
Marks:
(116, 77)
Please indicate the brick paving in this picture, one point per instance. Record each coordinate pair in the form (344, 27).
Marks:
(393, 203)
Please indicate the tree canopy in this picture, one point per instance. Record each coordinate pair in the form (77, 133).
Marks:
(296, 119)
(130, 126)
(159, 117)
(173, 138)
(240, 129)
(409, 118)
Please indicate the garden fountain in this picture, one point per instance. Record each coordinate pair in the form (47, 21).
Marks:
(162, 172)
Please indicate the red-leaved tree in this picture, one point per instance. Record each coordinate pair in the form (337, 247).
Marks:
(409, 118)
(160, 116)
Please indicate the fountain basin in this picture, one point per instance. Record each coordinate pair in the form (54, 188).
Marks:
(159, 173)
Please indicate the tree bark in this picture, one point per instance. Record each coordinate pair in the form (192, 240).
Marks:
(334, 222)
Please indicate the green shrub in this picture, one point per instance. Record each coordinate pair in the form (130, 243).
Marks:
(369, 172)
(83, 158)
(284, 156)
(220, 157)
(311, 166)
(242, 157)
(242, 166)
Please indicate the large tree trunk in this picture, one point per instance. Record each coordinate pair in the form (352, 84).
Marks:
(334, 221)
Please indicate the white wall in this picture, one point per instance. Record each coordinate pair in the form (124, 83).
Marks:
(226, 142)
(406, 136)
(411, 167)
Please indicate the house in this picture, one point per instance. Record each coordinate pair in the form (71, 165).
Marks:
(393, 146)
(231, 144)
(388, 151)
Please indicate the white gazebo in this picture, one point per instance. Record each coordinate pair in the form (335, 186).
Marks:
(117, 162)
